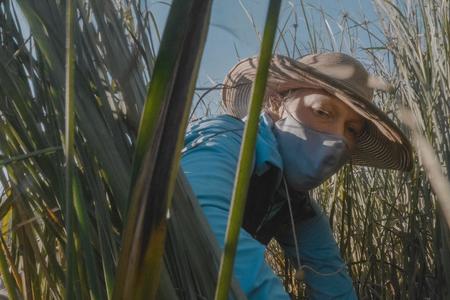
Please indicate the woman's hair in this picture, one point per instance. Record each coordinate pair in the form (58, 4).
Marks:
(274, 103)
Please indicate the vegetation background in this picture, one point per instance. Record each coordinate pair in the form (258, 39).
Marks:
(388, 224)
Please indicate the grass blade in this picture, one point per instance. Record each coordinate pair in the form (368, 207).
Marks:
(69, 147)
(7, 277)
(244, 168)
(157, 152)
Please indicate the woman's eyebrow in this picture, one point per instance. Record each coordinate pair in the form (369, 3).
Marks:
(342, 110)
(327, 103)
(332, 106)
(357, 121)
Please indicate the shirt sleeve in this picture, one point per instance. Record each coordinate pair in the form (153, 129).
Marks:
(209, 159)
(325, 271)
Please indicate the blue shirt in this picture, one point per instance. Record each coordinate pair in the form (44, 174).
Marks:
(224, 134)
(209, 160)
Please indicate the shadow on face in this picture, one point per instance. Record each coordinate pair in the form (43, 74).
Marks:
(324, 112)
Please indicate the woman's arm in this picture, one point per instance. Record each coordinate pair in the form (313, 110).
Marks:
(209, 161)
(325, 271)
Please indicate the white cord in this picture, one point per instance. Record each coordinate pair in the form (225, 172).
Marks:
(291, 215)
(300, 266)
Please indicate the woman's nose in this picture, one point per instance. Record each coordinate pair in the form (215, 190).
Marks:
(338, 128)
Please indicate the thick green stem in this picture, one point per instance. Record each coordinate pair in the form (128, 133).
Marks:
(158, 148)
(244, 169)
(69, 147)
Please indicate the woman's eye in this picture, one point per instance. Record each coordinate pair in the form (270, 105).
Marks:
(322, 113)
(353, 131)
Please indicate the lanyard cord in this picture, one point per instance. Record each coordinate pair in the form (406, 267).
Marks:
(299, 274)
(291, 216)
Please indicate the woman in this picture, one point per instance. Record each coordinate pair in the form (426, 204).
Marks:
(317, 116)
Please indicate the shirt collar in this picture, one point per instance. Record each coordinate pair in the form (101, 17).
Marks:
(266, 153)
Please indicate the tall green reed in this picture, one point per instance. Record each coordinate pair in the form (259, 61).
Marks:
(114, 61)
(419, 40)
(158, 148)
(32, 120)
(69, 148)
(245, 167)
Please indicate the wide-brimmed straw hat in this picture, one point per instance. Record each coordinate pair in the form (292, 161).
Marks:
(381, 144)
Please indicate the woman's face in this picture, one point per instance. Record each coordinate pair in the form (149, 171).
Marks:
(323, 112)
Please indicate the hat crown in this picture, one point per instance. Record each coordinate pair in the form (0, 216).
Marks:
(342, 68)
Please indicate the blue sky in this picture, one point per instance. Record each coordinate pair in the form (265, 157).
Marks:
(236, 24)
(231, 29)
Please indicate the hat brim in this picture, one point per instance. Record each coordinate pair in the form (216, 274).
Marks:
(381, 144)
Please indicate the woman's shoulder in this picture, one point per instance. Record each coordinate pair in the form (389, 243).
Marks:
(223, 131)
(227, 123)
(222, 124)
(215, 123)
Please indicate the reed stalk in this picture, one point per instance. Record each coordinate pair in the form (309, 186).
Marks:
(245, 163)
(158, 148)
(69, 148)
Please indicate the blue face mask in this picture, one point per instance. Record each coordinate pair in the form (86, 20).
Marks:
(309, 156)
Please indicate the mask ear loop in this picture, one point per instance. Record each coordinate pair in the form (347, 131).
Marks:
(291, 216)
(300, 273)
(287, 110)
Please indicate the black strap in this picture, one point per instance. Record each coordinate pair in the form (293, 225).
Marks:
(267, 211)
